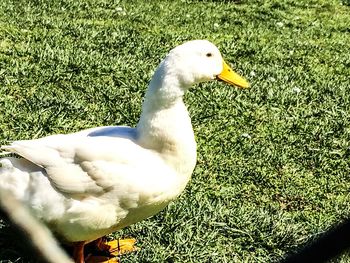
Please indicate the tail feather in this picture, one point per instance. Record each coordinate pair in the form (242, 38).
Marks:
(6, 166)
(30, 185)
(13, 176)
(4, 152)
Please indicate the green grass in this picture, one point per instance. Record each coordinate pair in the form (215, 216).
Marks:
(273, 165)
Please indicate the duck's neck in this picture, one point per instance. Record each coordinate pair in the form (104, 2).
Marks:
(165, 125)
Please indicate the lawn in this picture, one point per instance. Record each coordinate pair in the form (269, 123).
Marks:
(273, 166)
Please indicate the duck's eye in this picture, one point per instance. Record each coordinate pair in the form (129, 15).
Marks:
(209, 55)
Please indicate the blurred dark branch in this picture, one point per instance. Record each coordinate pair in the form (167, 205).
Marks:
(327, 246)
(37, 235)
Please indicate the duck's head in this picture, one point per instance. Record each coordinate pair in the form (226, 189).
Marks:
(199, 60)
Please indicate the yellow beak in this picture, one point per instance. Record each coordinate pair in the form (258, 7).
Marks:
(231, 77)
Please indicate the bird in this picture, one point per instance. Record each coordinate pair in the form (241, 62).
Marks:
(88, 184)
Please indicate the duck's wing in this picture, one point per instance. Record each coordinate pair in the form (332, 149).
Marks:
(84, 164)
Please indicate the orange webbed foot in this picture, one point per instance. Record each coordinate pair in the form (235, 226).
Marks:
(114, 249)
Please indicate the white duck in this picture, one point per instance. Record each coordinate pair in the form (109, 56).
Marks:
(88, 184)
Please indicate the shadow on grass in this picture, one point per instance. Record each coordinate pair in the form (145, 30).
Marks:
(346, 2)
(13, 249)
